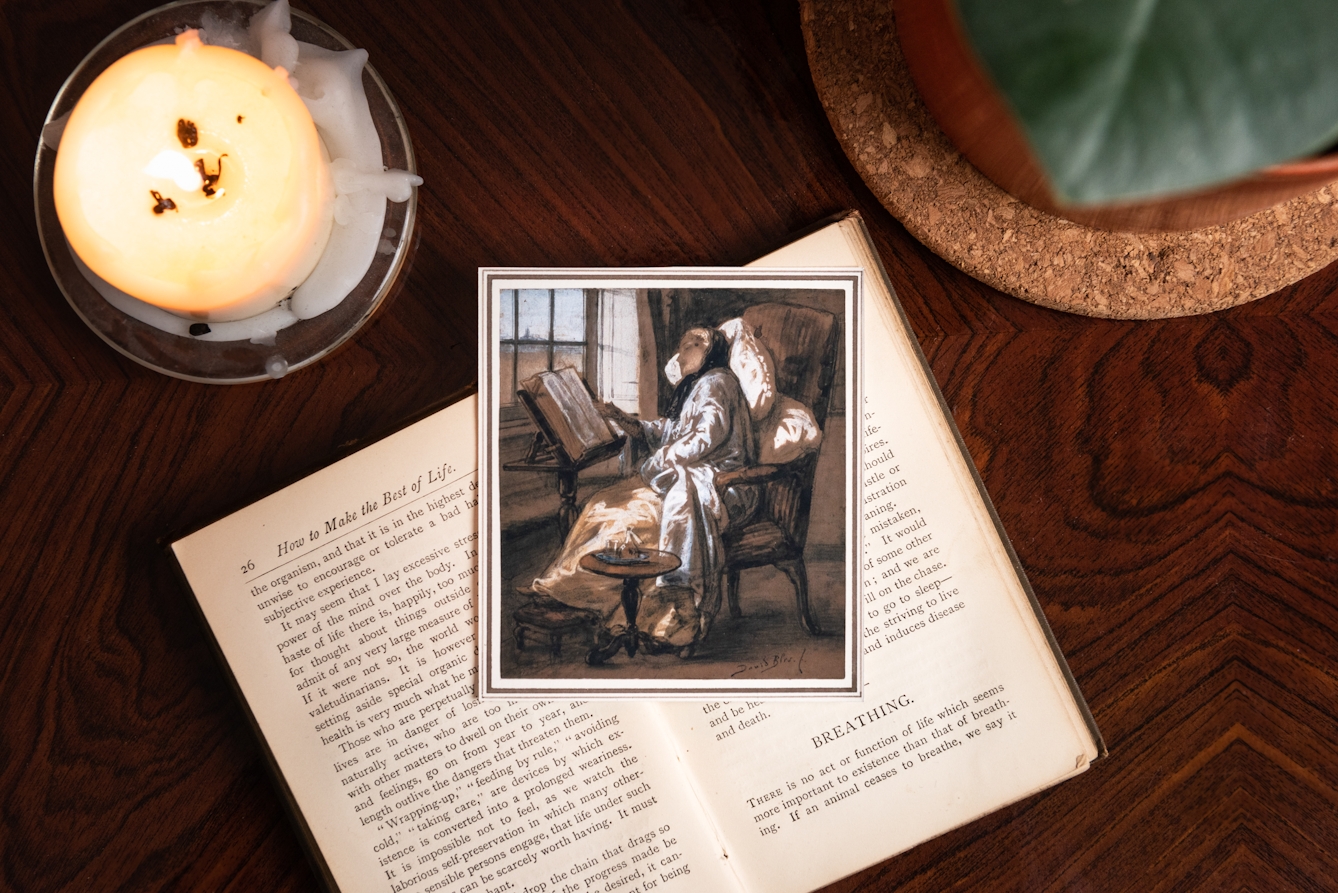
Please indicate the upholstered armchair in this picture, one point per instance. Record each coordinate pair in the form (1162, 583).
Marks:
(803, 343)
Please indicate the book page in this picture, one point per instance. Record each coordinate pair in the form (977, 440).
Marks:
(568, 407)
(344, 606)
(965, 708)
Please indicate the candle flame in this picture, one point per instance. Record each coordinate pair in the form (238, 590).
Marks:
(170, 164)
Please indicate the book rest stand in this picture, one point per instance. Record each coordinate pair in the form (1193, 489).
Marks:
(629, 638)
(547, 455)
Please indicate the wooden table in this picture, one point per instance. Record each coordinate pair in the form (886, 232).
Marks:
(1171, 487)
(654, 564)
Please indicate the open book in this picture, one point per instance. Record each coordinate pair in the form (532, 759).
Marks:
(343, 606)
(561, 405)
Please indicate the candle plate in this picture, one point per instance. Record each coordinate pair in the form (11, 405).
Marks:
(226, 362)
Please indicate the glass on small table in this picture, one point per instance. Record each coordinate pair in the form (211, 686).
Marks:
(631, 572)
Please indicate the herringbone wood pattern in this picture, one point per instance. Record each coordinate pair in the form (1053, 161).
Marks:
(1169, 486)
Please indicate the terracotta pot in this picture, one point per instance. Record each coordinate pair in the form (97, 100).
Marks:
(973, 114)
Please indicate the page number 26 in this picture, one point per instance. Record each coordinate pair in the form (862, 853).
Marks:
(248, 567)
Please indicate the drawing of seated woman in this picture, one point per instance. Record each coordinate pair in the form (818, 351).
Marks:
(672, 504)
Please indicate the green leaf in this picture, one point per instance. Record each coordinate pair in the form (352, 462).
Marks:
(1128, 99)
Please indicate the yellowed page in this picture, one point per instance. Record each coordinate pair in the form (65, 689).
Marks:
(344, 606)
(965, 708)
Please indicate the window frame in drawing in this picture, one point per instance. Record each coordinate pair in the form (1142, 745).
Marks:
(516, 342)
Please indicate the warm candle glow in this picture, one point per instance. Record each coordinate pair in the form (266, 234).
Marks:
(192, 177)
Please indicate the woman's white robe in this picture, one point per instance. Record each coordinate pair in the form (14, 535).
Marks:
(674, 503)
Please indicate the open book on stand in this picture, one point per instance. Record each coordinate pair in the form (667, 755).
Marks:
(569, 424)
(343, 608)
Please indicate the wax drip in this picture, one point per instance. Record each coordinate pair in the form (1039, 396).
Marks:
(187, 132)
(163, 204)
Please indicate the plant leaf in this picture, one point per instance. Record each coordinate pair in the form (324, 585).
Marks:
(1129, 99)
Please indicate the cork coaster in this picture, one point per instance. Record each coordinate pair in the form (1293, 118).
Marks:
(963, 217)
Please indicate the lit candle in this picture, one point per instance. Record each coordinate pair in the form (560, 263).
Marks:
(192, 178)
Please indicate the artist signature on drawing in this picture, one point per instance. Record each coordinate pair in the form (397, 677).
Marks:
(774, 662)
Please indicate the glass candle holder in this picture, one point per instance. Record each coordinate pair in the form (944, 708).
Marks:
(227, 362)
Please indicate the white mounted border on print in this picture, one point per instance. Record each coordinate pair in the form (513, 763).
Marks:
(669, 483)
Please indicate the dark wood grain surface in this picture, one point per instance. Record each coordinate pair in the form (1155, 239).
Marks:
(1169, 486)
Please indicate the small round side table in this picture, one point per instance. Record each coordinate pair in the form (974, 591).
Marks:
(631, 573)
